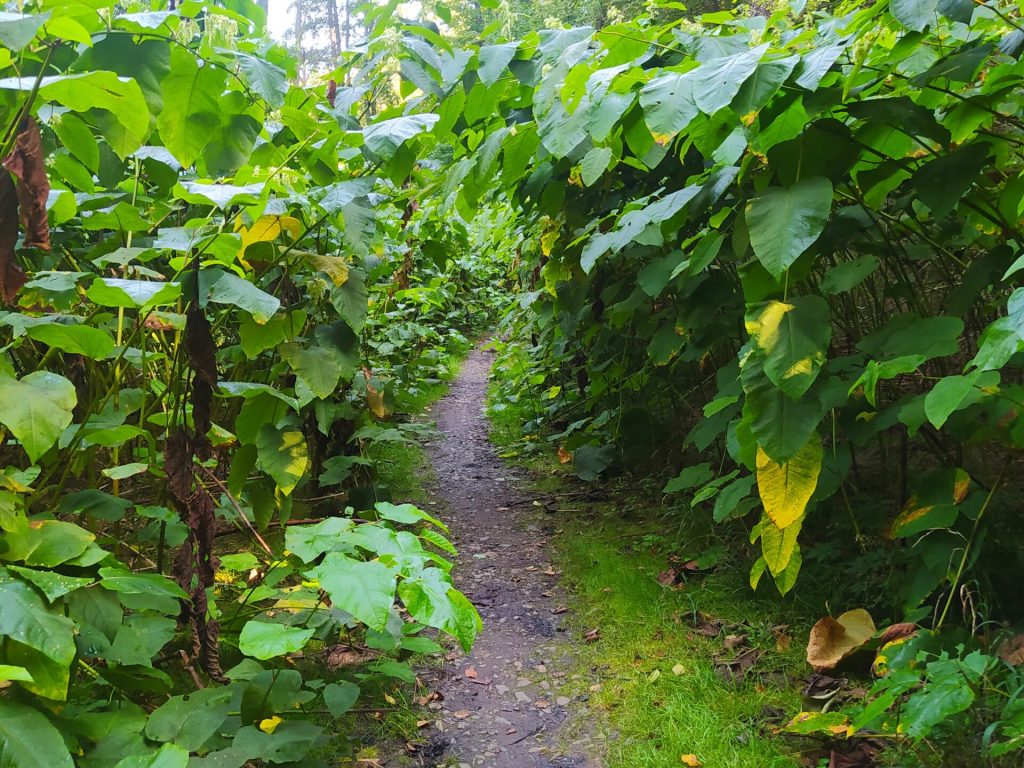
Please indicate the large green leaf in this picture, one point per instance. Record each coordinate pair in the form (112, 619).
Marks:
(18, 30)
(29, 740)
(384, 138)
(668, 105)
(494, 61)
(27, 619)
(717, 81)
(191, 97)
(121, 97)
(366, 590)
(266, 640)
(914, 14)
(189, 721)
(77, 339)
(941, 182)
(267, 79)
(45, 543)
(431, 599)
(785, 222)
(222, 287)
(315, 368)
(36, 409)
(308, 542)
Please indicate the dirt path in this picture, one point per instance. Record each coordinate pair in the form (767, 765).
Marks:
(504, 705)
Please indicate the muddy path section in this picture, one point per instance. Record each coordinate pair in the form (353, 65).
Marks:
(504, 705)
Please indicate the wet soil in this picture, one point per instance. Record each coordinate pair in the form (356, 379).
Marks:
(508, 703)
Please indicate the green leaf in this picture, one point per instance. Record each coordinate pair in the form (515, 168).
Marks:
(132, 294)
(729, 500)
(267, 79)
(315, 368)
(384, 138)
(785, 222)
(494, 61)
(53, 585)
(340, 697)
(431, 599)
(781, 426)
(909, 334)
(594, 164)
(794, 339)
(366, 590)
(26, 619)
(914, 14)
(308, 542)
(36, 409)
(191, 97)
(283, 455)
(591, 460)
(29, 740)
(289, 742)
(668, 105)
(168, 756)
(18, 30)
(949, 395)
(690, 477)
(407, 514)
(121, 97)
(222, 287)
(264, 640)
(350, 300)
(45, 543)
(847, 275)
(940, 183)
(189, 721)
(221, 195)
(717, 81)
(14, 674)
(77, 339)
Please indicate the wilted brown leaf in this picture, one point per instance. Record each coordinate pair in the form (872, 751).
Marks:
(564, 456)
(1012, 650)
(12, 278)
(27, 163)
(897, 631)
(732, 642)
(593, 635)
(734, 670)
(832, 640)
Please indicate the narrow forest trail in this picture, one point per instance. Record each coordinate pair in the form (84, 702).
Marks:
(502, 705)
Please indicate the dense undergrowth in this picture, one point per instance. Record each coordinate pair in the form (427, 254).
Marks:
(778, 249)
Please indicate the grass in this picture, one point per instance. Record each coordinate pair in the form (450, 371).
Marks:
(651, 677)
(663, 697)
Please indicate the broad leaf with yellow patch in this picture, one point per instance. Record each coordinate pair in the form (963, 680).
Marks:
(786, 488)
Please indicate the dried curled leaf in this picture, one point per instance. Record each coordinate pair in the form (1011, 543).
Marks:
(897, 632)
(12, 278)
(832, 640)
(26, 162)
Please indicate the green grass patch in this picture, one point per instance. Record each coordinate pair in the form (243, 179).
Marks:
(663, 694)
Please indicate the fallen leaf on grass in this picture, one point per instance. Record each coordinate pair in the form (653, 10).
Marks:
(832, 640)
(732, 642)
(593, 635)
(560, 609)
(704, 625)
(678, 669)
(690, 760)
(734, 670)
(564, 456)
(422, 723)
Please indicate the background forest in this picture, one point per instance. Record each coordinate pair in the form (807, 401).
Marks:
(765, 261)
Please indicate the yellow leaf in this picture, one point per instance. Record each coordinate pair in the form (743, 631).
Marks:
(335, 267)
(786, 488)
(270, 724)
(779, 544)
(690, 760)
(678, 669)
(267, 228)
